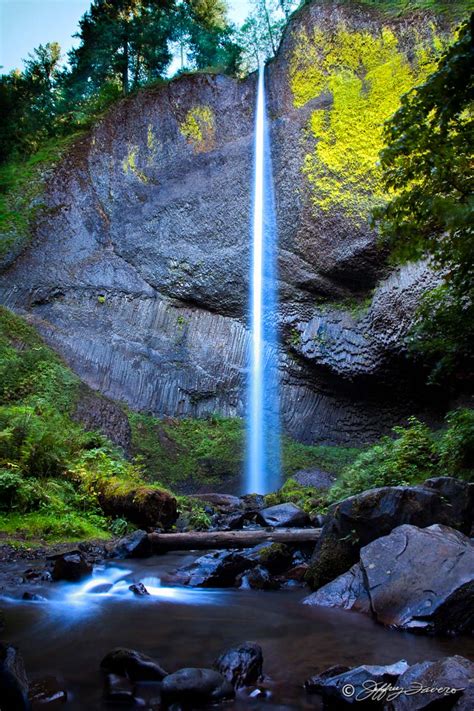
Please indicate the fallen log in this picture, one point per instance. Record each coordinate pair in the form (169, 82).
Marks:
(199, 540)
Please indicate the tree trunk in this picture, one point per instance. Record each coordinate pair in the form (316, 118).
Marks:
(162, 542)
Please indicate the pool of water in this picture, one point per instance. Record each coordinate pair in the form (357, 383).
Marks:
(68, 634)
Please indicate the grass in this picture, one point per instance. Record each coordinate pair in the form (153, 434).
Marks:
(193, 453)
(22, 183)
(50, 528)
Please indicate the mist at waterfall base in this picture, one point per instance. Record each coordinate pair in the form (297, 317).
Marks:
(263, 419)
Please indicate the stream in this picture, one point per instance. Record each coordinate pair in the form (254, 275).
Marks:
(69, 633)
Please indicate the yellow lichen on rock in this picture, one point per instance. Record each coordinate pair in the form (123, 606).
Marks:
(366, 75)
(129, 164)
(198, 128)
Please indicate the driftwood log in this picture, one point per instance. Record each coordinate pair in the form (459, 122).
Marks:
(199, 540)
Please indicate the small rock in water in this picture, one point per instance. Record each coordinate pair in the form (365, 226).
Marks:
(195, 686)
(13, 680)
(241, 665)
(139, 590)
(33, 597)
(135, 665)
(71, 567)
(47, 692)
(260, 579)
(135, 545)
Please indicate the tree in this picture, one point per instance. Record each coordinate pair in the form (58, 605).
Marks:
(29, 101)
(428, 173)
(121, 39)
(261, 32)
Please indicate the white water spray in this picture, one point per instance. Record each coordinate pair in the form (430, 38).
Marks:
(263, 460)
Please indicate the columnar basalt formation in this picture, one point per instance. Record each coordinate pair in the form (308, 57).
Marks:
(137, 272)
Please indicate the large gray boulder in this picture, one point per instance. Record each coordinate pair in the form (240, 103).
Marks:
(451, 684)
(360, 519)
(414, 579)
(216, 570)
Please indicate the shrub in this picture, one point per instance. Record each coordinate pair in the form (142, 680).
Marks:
(307, 498)
(456, 446)
(408, 459)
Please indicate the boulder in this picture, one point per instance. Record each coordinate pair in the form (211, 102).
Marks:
(217, 570)
(138, 589)
(71, 567)
(413, 579)
(283, 516)
(221, 502)
(144, 506)
(347, 592)
(460, 495)
(348, 687)
(132, 664)
(195, 686)
(276, 557)
(358, 520)
(135, 545)
(14, 685)
(241, 665)
(450, 680)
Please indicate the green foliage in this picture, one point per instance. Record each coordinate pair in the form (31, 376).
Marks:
(189, 453)
(415, 454)
(50, 527)
(453, 9)
(192, 514)
(307, 498)
(427, 169)
(22, 183)
(456, 446)
(332, 459)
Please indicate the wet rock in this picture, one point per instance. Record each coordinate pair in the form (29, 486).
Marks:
(135, 545)
(466, 701)
(276, 557)
(142, 505)
(14, 685)
(418, 579)
(348, 592)
(241, 665)
(358, 520)
(450, 680)
(231, 522)
(132, 664)
(47, 693)
(283, 516)
(195, 686)
(35, 575)
(71, 567)
(298, 573)
(33, 597)
(118, 690)
(253, 502)
(345, 687)
(259, 578)
(313, 684)
(138, 589)
(217, 570)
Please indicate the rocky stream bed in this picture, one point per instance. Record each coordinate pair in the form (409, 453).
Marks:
(103, 626)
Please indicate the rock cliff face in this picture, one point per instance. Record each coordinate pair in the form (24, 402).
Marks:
(138, 269)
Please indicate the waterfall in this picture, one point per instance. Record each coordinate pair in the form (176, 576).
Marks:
(263, 436)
